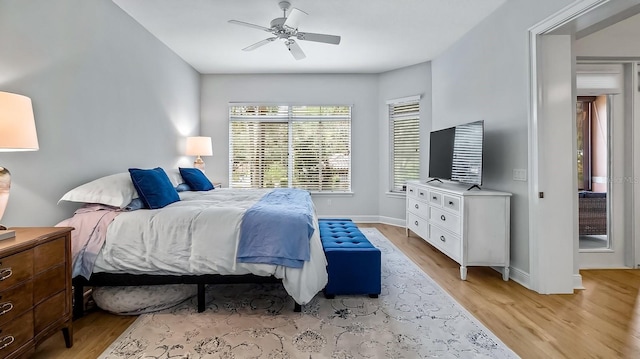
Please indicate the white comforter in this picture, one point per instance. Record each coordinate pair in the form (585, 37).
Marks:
(199, 235)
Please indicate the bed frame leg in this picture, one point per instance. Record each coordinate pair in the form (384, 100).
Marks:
(201, 300)
(297, 308)
(78, 300)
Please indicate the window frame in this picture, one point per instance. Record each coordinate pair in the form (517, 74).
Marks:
(392, 148)
(291, 119)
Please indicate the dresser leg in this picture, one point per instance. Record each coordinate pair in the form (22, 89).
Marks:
(67, 332)
(505, 274)
(463, 272)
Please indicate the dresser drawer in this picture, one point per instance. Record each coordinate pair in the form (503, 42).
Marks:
(49, 311)
(15, 269)
(451, 203)
(16, 333)
(417, 225)
(418, 208)
(445, 219)
(49, 254)
(447, 242)
(15, 301)
(48, 283)
(435, 199)
(412, 192)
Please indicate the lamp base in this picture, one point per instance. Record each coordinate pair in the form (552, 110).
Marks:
(199, 164)
(7, 234)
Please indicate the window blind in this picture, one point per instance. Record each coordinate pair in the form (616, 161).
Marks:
(307, 147)
(404, 121)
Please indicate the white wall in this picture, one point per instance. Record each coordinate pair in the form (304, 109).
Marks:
(619, 40)
(485, 76)
(361, 91)
(106, 94)
(408, 81)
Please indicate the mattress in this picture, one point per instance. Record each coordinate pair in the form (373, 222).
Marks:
(199, 235)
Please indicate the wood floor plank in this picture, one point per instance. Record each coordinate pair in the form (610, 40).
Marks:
(601, 321)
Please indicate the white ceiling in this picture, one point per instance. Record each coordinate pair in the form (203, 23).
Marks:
(377, 35)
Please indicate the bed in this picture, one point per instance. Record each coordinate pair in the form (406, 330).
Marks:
(194, 240)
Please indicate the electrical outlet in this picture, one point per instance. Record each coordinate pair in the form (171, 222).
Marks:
(519, 174)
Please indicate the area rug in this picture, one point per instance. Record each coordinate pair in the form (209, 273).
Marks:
(412, 318)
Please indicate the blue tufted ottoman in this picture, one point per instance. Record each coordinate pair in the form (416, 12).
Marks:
(353, 262)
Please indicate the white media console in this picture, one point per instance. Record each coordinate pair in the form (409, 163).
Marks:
(471, 226)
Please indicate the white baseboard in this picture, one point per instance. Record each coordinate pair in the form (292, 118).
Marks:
(577, 282)
(519, 276)
(370, 219)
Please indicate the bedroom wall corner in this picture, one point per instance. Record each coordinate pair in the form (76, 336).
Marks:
(399, 83)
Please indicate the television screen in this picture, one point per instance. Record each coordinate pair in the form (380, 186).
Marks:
(467, 153)
(455, 153)
(441, 153)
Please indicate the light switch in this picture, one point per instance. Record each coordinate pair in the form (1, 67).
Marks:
(519, 174)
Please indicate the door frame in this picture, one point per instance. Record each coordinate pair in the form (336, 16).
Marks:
(544, 252)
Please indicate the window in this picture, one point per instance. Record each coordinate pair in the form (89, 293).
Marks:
(307, 147)
(404, 130)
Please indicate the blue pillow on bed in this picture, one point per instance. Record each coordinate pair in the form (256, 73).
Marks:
(183, 187)
(196, 179)
(154, 187)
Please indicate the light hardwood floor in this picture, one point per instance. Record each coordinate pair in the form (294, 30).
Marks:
(602, 321)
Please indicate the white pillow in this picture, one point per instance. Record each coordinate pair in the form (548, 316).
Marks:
(115, 190)
(175, 177)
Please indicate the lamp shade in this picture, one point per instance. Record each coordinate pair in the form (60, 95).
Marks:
(17, 126)
(199, 146)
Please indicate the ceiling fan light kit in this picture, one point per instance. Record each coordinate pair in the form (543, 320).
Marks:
(286, 29)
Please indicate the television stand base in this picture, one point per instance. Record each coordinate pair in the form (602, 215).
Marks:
(474, 186)
(434, 179)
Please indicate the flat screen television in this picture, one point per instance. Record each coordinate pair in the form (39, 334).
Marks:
(455, 153)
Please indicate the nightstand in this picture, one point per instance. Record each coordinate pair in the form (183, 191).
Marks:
(35, 289)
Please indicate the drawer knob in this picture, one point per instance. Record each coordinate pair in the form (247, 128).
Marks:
(5, 308)
(417, 207)
(422, 193)
(443, 218)
(416, 223)
(6, 341)
(443, 239)
(5, 273)
(434, 197)
(411, 190)
(451, 203)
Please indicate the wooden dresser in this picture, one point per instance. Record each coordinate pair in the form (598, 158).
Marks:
(35, 289)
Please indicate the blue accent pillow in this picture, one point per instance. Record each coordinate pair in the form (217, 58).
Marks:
(134, 205)
(154, 187)
(183, 187)
(196, 179)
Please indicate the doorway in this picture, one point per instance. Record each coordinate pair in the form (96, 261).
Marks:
(592, 153)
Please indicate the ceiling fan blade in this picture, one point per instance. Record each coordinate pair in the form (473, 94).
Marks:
(258, 44)
(309, 36)
(293, 20)
(237, 22)
(295, 50)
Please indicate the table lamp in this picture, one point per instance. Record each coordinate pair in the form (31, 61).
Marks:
(17, 133)
(199, 146)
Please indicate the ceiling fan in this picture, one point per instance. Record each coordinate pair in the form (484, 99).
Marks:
(285, 28)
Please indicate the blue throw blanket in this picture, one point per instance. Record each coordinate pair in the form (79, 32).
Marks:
(277, 229)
